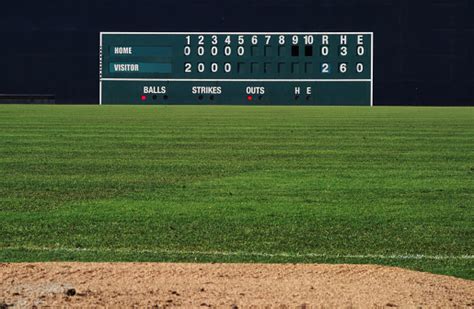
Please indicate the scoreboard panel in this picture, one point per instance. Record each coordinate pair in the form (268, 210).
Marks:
(331, 68)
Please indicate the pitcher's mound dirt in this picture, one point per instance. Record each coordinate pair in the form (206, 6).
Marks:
(226, 285)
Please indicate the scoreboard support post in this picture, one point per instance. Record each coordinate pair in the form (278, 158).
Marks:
(238, 68)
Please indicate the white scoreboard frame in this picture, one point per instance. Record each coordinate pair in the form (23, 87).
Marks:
(371, 80)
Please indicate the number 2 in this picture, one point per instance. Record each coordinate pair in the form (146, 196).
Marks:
(325, 68)
(187, 67)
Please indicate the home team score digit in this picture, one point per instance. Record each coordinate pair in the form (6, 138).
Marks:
(237, 68)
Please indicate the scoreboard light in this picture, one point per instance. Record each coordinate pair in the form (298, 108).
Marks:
(310, 68)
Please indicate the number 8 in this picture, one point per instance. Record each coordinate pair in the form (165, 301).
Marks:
(281, 39)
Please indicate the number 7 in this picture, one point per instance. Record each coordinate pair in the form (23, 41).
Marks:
(267, 39)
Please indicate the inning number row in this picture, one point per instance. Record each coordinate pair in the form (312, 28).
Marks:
(269, 39)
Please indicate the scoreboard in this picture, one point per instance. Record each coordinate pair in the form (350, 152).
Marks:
(310, 68)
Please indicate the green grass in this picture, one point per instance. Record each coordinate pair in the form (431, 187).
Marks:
(392, 186)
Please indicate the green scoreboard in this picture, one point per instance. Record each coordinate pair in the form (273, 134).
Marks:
(244, 68)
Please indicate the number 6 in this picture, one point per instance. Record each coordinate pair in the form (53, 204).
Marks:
(343, 67)
(254, 40)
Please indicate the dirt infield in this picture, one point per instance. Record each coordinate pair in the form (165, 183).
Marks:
(226, 285)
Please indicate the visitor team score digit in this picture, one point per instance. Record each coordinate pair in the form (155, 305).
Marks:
(156, 68)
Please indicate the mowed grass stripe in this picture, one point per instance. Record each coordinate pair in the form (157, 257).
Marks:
(314, 183)
(251, 254)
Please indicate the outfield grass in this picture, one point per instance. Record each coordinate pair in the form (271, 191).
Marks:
(391, 186)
